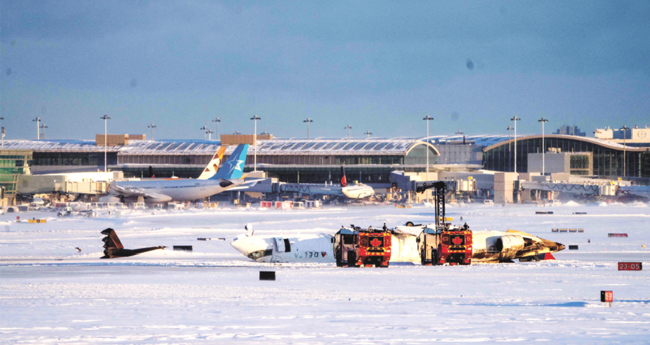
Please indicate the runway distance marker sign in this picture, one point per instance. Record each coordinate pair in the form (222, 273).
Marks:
(630, 266)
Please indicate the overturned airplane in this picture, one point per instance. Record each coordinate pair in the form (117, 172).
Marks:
(407, 244)
(115, 249)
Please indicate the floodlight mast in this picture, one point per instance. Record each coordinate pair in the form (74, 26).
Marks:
(543, 120)
(427, 119)
(308, 121)
(510, 128)
(368, 133)
(152, 126)
(515, 119)
(255, 118)
(624, 129)
(38, 125)
(105, 118)
(348, 127)
(217, 120)
(204, 129)
(43, 128)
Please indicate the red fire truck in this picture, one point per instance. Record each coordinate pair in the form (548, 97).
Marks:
(445, 243)
(356, 247)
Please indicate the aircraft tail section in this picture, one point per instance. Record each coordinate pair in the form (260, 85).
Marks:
(114, 248)
(344, 180)
(213, 165)
(233, 167)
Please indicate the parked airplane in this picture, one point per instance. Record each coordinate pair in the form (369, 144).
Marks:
(228, 178)
(355, 191)
(489, 246)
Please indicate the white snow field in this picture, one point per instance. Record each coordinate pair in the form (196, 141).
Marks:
(52, 294)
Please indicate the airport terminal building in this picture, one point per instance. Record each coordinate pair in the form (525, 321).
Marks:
(368, 160)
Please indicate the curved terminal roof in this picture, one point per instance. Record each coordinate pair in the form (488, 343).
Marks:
(600, 142)
(57, 146)
(321, 146)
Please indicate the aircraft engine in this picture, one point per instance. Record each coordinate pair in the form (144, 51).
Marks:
(509, 245)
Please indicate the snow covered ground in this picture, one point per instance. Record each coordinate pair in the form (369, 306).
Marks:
(51, 293)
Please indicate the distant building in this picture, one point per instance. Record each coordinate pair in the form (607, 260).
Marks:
(636, 136)
(570, 130)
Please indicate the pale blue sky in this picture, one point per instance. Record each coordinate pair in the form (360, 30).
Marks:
(376, 65)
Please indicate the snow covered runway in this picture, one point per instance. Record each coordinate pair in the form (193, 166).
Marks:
(50, 293)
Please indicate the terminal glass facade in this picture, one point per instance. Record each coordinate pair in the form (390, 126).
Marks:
(13, 163)
(606, 161)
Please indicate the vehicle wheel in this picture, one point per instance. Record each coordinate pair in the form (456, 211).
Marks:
(409, 223)
(434, 256)
(352, 259)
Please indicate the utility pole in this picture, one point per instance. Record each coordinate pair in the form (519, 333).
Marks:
(255, 118)
(427, 119)
(217, 120)
(543, 120)
(308, 120)
(515, 119)
(348, 127)
(152, 126)
(105, 118)
(38, 125)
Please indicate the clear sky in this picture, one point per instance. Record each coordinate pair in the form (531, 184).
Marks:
(375, 65)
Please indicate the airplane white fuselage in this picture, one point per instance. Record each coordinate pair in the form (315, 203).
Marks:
(357, 191)
(171, 190)
(313, 248)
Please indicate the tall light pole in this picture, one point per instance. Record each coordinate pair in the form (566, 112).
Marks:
(427, 119)
(38, 125)
(105, 118)
(308, 120)
(210, 134)
(255, 118)
(217, 120)
(624, 129)
(43, 128)
(348, 127)
(152, 126)
(204, 129)
(510, 128)
(368, 133)
(515, 119)
(3, 138)
(543, 120)
(459, 132)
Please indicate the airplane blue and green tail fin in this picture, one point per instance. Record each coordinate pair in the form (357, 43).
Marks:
(233, 167)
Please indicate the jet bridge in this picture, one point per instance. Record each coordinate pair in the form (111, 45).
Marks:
(572, 188)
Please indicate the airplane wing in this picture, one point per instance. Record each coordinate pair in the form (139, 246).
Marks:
(132, 192)
(246, 185)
